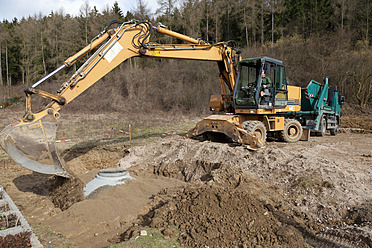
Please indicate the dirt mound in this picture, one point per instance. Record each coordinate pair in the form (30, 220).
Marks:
(313, 175)
(216, 216)
(311, 179)
(357, 121)
(222, 206)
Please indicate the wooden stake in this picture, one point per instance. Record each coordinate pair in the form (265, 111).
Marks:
(130, 133)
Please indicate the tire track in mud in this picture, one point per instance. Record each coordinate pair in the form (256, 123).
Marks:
(330, 238)
(338, 238)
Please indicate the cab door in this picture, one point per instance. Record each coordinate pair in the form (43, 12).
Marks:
(280, 87)
(276, 96)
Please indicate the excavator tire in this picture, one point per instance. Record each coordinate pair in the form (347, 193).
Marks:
(292, 131)
(256, 128)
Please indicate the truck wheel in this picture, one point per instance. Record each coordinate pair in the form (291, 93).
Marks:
(257, 128)
(334, 131)
(323, 127)
(292, 131)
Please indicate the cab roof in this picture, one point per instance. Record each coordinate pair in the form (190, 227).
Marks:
(262, 60)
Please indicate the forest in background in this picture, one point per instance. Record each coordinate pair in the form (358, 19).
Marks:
(314, 38)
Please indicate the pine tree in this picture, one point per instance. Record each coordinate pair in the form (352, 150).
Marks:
(117, 10)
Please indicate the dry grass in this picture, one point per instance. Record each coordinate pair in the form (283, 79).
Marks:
(87, 129)
(103, 129)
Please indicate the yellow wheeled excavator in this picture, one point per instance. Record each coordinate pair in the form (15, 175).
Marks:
(245, 111)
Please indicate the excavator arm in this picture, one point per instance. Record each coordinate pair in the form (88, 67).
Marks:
(31, 141)
(132, 40)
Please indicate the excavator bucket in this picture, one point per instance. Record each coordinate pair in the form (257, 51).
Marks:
(32, 145)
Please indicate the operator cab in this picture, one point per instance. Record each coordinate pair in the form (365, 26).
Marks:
(261, 84)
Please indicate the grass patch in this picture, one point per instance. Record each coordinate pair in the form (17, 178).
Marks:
(312, 181)
(153, 239)
(103, 129)
(49, 238)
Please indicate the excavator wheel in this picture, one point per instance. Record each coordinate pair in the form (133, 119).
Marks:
(292, 131)
(257, 128)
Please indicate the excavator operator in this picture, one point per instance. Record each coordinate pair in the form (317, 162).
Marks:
(266, 82)
(265, 89)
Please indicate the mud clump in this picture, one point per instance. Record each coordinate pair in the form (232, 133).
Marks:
(66, 192)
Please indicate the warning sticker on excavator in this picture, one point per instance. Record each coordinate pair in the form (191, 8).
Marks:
(155, 52)
(113, 52)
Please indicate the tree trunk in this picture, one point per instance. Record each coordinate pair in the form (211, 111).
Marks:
(23, 65)
(342, 15)
(272, 26)
(367, 26)
(42, 52)
(216, 29)
(228, 21)
(6, 62)
(246, 28)
(1, 75)
(262, 23)
(28, 67)
(207, 7)
(253, 24)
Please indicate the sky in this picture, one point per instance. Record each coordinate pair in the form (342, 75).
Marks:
(25, 8)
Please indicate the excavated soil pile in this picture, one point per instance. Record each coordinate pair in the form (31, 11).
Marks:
(224, 206)
(309, 180)
(221, 217)
(314, 176)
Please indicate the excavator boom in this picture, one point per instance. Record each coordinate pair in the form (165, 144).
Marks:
(31, 142)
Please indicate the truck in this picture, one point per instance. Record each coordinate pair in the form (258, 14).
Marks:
(255, 101)
(321, 108)
(288, 112)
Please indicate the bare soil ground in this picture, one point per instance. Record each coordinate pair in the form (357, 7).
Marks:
(316, 193)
